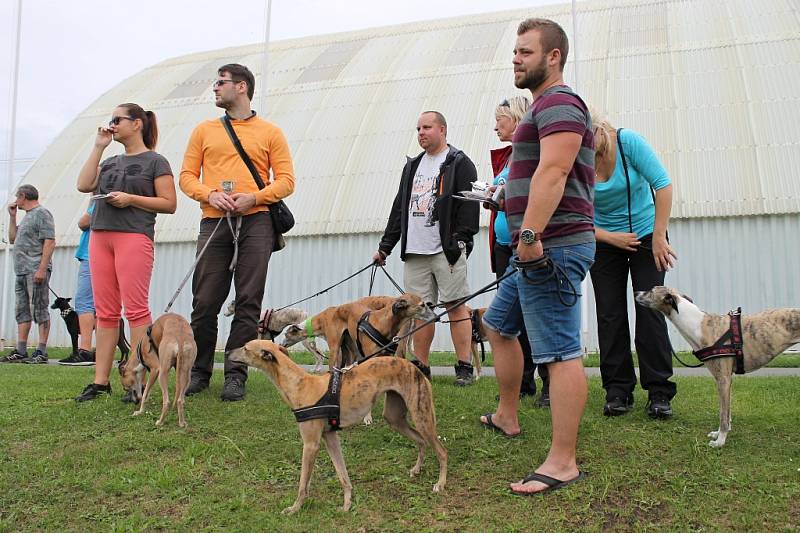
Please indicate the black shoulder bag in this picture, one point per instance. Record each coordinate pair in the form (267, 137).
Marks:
(282, 218)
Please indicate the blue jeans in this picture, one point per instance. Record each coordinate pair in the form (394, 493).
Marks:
(545, 305)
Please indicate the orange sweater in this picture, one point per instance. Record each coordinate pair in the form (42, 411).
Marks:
(211, 149)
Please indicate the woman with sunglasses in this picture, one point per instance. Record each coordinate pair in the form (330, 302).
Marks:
(507, 115)
(632, 204)
(130, 188)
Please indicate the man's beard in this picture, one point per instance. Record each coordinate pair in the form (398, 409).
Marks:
(224, 104)
(535, 78)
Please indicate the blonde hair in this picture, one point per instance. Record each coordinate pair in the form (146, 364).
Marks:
(602, 129)
(513, 108)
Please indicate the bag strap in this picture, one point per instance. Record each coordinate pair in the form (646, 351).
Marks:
(226, 123)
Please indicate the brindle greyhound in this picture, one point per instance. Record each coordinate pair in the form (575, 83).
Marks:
(407, 391)
(763, 336)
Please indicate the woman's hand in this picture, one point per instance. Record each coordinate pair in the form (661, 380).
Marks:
(625, 241)
(663, 253)
(104, 137)
(119, 199)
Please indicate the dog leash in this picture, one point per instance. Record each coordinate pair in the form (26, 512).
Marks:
(351, 276)
(375, 268)
(191, 269)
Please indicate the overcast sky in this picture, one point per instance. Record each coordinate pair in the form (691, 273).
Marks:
(74, 51)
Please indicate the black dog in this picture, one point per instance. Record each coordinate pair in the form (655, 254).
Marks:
(71, 320)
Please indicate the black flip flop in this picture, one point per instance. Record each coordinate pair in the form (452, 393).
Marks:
(551, 482)
(491, 425)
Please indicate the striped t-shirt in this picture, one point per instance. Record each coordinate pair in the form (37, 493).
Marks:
(557, 109)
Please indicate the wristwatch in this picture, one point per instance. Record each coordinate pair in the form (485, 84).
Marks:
(529, 236)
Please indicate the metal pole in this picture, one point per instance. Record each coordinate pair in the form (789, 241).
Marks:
(262, 108)
(10, 174)
(585, 282)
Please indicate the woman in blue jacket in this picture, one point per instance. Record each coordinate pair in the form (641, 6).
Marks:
(633, 200)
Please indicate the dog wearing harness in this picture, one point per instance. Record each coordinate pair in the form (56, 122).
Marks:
(726, 343)
(407, 393)
(167, 343)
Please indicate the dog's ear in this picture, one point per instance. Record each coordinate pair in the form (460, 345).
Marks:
(670, 301)
(399, 306)
(687, 298)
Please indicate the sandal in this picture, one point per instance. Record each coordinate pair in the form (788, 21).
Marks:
(491, 425)
(551, 482)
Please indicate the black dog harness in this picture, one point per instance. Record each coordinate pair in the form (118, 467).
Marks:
(327, 406)
(475, 320)
(263, 326)
(152, 347)
(375, 336)
(724, 348)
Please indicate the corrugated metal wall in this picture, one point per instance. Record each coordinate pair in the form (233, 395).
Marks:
(723, 263)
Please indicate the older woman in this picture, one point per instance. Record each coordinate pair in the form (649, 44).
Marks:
(507, 115)
(130, 189)
(633, 199)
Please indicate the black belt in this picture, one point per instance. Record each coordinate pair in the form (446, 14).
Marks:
(723, 348)
(327, 406)
(376, 336)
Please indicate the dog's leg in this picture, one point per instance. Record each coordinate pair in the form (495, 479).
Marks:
(394, 411)
(476, 361)
(311, 432)
(424, 417)
(724, 391)
(150, 381)
(183, 370)
(163, 382)
(335, 451)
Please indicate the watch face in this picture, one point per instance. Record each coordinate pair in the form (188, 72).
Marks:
(527, 236)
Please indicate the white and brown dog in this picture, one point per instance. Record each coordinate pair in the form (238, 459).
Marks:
(407, 391)
(168, 343)
(764, 335)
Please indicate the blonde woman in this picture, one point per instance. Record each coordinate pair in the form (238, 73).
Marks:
(632, 203)
(507, 115)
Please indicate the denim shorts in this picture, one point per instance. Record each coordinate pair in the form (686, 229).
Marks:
(84, 299)
(544, 305)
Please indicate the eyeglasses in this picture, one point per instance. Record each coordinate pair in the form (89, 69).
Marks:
(116, 120)
(220, 83)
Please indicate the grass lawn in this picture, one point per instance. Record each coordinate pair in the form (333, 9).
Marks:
(92, 467)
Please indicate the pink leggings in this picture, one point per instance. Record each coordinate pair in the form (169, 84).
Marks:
(121, 265)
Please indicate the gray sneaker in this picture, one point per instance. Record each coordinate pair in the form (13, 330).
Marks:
(14, 357)
(37, 358)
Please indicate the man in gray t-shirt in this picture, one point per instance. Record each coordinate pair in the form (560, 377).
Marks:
(34, 242)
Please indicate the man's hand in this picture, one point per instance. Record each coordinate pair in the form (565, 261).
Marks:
(221, 201)
(119, 199)
(624, 241)
(379, 258)
(12, 209)
(529, 252)
(243, 202)
(39, 276)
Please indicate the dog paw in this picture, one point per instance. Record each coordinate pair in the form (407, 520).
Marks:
(713, 434)
(368, 419)
(345, 508)
(137, 413)
(290, 510)
(438, 487)
(159, 423)
(414, 472)
(717, 443)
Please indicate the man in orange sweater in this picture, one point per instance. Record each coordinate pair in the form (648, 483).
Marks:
(227, 189)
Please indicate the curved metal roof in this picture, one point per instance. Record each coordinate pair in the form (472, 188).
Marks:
(712, 84)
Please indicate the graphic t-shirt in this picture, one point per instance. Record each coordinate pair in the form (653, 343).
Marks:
(423, 232)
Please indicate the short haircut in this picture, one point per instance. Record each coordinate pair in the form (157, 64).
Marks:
(602, 129)
(551, 35)
(28, 191)
(513, 108)
(240, 73)
(439, 117)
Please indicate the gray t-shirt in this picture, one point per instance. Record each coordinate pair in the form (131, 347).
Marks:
(134, 174)
(36, 226)
(423, 232)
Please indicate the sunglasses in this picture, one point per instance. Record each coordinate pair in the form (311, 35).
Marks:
(504, 103)
(220, 83)
(116, 120)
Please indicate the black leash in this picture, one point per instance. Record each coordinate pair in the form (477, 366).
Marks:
(681, 360)
(351, 276)
(372, 274)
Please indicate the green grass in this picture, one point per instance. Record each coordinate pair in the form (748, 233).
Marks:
(92, 467)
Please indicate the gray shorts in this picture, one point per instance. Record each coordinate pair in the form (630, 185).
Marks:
(33, 299)
(434, 280)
